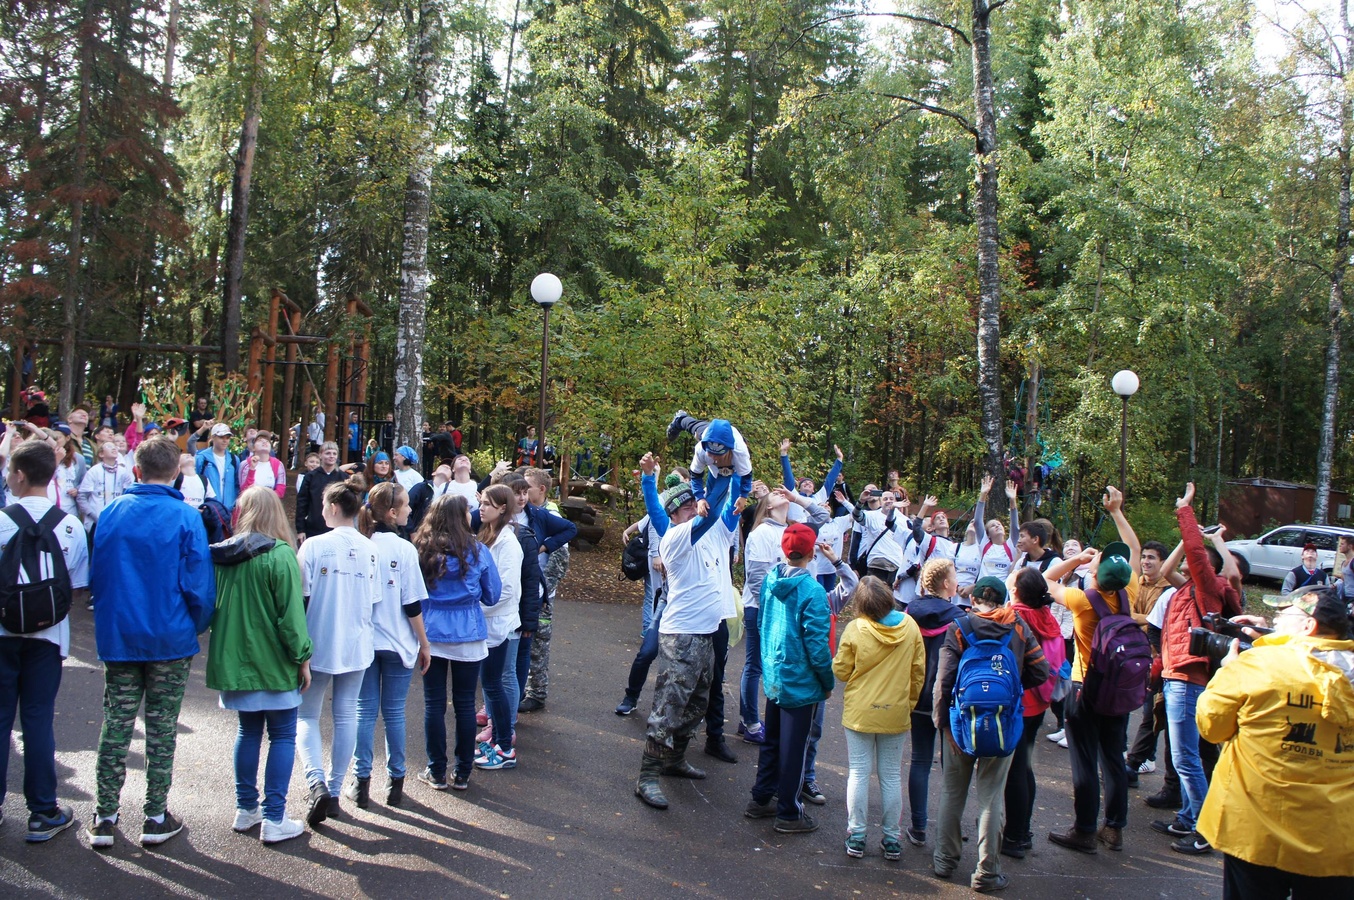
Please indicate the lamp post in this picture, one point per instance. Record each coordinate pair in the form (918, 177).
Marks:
(1125, 384)
(546, 290)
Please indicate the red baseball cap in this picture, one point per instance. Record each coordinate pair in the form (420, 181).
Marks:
(798, 541)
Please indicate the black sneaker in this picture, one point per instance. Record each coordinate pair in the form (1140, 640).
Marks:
(530, 704)
(154, 833)
(436, 782)
(675, 426)
(811, 794)
(803, 825)
(102, 832)
(626, 706)
(757, 810)
(44, 827)
(1173, 828)
(461, 781)
(916, 836)
(1163, 799)
(335, 810)
(319, 805)
(1194, 845)
(1132, 777)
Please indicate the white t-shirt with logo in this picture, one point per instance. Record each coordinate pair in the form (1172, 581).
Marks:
(194, 490)
(339, 575)
(74, 547)
(699, 584)
(408, 478)
(996, 559)
(401, 583)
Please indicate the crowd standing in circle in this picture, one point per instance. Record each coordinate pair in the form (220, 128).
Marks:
(964, 644)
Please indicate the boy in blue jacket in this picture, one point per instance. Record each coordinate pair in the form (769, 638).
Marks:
(721, 460)
(153, 575)
(796, 676)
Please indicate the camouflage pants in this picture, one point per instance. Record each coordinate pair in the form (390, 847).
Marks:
(124, 684)
(538, 679)
(686, 671)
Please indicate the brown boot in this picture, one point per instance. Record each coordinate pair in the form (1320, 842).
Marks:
(1111, 837)
(1074, 840)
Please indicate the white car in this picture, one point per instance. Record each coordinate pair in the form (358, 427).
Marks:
(1278, 552)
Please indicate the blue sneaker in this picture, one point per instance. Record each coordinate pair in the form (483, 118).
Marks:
(45, 827)
(754, 734)
(496, 758)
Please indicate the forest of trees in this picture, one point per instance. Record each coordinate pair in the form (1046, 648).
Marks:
(878, 229)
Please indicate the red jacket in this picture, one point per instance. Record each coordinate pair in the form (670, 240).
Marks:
(1205, 592)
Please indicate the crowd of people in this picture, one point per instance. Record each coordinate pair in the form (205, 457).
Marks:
(963, 642)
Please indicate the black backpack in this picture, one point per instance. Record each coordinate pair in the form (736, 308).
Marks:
(635, 557)
(34, 551)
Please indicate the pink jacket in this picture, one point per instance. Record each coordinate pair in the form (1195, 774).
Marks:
(279, 476)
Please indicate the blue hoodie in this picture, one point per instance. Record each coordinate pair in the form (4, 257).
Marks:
(794, 623)
(452, 614)
(225, 484)
(152, 579)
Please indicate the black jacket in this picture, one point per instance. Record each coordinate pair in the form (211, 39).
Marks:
(310, 501)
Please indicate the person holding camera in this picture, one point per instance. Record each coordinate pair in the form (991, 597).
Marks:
(1185, 675)
(1281, 807)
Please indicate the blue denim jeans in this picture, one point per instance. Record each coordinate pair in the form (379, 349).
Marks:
(497, 703)
(919, 770)
(1181, 698)
(281, 724)
(511, 689)
(308, 741)
(30, 675)
(523, 669)
(651, 584)
(465, 677)
(385, 687)
(752, 669)
(648, 652)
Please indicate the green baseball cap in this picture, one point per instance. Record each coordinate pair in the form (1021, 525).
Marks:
(989, 590)
(1115, 571)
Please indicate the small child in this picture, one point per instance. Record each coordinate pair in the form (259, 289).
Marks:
(721, 450)
(191, 485)
(882, 661)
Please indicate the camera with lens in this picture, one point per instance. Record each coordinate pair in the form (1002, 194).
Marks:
(1214, 640)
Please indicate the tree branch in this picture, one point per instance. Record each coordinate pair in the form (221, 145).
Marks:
(916, 104)
(920, 20)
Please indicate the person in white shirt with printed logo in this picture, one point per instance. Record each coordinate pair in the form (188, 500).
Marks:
(968, 556)
(30, 663)
(340, 582)
(998, 551)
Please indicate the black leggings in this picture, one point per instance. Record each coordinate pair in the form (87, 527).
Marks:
(1020, 783)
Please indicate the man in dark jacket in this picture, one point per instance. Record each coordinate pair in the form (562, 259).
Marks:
(310, 496)
(553, 532)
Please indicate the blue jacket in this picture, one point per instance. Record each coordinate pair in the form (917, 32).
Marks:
(552, 531)
(226, 488)
(530, 609)
(794, 624)
(151, 577)
(452, 614)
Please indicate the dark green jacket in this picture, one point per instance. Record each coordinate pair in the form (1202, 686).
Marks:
(259, 635)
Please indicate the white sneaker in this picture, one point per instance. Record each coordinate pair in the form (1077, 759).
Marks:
(1062, 741)
(1147, 768)
(1057, 736)
(246, 819)
(276, 832)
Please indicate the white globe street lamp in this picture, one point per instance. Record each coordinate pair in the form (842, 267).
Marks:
(546, 289)
(1125, 384)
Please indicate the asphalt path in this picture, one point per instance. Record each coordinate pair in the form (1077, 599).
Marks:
(564, 823)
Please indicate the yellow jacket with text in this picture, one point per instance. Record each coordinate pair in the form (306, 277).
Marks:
(1283, 791)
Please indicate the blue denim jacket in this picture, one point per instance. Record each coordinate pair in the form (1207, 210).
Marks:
(452, 613)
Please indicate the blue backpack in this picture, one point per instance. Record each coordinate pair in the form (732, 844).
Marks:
(986, 717)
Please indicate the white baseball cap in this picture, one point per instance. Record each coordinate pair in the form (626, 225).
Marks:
(221, 429)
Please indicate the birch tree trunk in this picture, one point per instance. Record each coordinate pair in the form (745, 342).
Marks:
(989, 286)
(414, 253)
(1325, 456)
(239, 195)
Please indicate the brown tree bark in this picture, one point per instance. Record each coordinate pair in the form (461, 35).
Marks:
(239, 195)
(70, 298)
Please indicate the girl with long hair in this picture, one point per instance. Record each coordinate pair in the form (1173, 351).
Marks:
(339, 575)
(499, 673)
(398, 641)
(461, 578)
(259, 656)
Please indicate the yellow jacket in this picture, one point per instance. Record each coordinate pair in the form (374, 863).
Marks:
(1283, 791)
(884, 668)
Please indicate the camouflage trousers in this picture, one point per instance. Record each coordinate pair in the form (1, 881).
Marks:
(124, 684)
(538, 679)
(686, 672)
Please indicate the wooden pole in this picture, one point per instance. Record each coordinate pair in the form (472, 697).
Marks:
(253, 373)
(289, 377)
(331, 385)
(269, 369)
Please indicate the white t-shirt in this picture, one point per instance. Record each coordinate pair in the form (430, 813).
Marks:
(65, 482)
(504, 617)
(194, 490)
(263, 475)
(466, 490)
(315, 431)
(401, 582)
(997, 559)
(967, 563)
(699, 584)
(763, 552)
(831, 534)
(220, 459)
(408, 478)
(1157, 617)
(338, 574)
(74, 547)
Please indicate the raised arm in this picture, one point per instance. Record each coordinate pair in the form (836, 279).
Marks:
(658, 517)
(787, 473)
(1170, 567)
(1011, 491)
(1113, 501)
(1201, 572)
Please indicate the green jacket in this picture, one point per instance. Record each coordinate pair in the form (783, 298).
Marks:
(259, 635)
